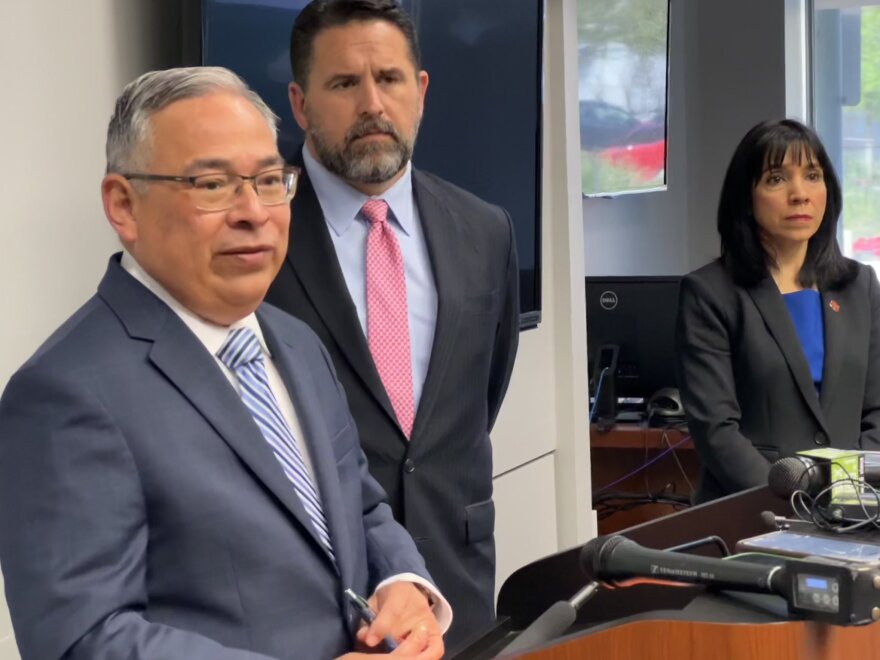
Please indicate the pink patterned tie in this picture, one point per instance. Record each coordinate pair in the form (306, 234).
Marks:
(387, 318)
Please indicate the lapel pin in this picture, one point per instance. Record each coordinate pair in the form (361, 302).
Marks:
(834, 306)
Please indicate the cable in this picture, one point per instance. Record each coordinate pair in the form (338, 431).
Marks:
(665, 438)
(717, 541)
(597, 393)
(647, 453)
(671, 498)
(606, 510)
(613, 503)
(642, 467)
(829, 517)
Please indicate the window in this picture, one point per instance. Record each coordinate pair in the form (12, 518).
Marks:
(846, 66)
(622, 60)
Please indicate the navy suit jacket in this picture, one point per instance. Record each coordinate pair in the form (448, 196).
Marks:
(143, 515)
(746, 384)
(439, 482)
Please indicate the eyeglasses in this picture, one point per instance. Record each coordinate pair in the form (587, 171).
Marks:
(218, 191)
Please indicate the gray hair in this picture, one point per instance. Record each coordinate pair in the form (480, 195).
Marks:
(129, 130)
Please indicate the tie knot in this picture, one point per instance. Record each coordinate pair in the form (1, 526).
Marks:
(375, 210)
(241, 347)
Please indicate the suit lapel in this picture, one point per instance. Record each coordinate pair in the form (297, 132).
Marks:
(834, 320)
(445, 235)
(772, 307)
(313, 259)
(182, 358)
(317, 437)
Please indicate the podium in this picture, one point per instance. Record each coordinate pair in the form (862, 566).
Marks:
(648, 622)
(685, 640)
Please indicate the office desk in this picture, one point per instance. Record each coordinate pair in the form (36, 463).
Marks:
(622, 450)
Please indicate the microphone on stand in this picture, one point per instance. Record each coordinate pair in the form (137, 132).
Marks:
(600, 557)
(620, 562)
(558, 618)
(840, 590)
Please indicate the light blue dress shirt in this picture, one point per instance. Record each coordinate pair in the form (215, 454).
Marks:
(341, 205)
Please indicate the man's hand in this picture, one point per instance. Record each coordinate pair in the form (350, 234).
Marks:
(403, 613)
(416, 646)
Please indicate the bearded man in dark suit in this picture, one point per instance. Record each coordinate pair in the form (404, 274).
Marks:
(410, 282)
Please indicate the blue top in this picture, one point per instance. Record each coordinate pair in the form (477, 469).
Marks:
(805, 309)
(341, 205)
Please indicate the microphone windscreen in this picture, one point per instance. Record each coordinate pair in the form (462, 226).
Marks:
(595, 552)
(768, 518)
(793, 473)
(771, 521)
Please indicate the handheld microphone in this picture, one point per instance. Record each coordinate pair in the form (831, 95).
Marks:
(618, 561)
(794, 473)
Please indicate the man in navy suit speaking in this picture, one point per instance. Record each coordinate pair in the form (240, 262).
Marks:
(180, 476)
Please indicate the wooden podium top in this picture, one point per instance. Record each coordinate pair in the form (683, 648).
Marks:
(689, 640)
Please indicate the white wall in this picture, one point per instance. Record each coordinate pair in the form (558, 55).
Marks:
(541, 440)
(727, 73)
(63, 64)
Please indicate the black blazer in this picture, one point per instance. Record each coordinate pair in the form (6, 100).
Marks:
(439, 483)
(746, 384)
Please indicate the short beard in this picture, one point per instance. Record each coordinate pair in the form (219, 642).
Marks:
(372, 162)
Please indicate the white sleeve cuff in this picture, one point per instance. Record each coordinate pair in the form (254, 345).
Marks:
(441, 608)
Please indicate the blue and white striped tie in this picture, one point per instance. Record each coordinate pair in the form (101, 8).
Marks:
(241, 352)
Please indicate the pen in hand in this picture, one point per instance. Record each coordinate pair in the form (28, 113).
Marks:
(367, 614)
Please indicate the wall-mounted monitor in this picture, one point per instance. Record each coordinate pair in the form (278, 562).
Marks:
(482, 123)
(623, 56)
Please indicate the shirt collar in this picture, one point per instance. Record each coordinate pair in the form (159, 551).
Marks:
(210, 334)
(341, 202)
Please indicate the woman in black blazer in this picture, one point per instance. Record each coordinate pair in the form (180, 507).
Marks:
(778, 339)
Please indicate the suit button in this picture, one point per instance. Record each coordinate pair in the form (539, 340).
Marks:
(408, 466)
(820, 438)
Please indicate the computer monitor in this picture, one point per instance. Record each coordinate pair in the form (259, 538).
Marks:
(637, 315)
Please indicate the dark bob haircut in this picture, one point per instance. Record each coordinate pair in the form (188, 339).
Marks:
(320, 15)
(742, 253)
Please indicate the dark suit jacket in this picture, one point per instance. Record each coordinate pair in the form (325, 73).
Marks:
(746, 384)
(439, 483)
(143, 515)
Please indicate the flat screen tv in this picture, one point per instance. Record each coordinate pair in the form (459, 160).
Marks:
(482, 123)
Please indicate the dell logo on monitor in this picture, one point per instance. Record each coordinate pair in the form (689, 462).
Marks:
(608, 300)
